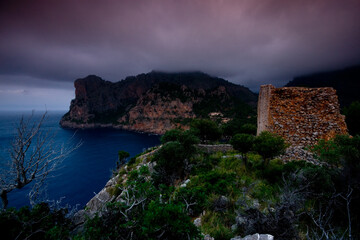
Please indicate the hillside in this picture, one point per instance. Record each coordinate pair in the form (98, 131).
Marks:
(345, 81)
(154, 102)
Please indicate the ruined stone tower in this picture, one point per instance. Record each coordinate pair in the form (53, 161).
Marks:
(300, 115)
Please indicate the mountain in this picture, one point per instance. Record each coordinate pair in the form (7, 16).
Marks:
(154, 102)
(345, 81)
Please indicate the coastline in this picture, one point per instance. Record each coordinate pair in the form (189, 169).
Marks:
(72, 125)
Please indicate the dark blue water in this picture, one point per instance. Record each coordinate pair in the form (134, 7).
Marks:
(87, 169)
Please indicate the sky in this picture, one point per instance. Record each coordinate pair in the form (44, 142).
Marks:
(46, 44)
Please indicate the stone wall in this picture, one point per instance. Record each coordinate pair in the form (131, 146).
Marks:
(301, 115)
(215, 148)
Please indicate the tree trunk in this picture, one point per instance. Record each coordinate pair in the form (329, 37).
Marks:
(4, 199)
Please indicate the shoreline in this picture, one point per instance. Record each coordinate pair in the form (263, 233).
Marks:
(84, 126)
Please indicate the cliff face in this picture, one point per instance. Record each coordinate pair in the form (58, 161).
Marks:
(153, 102)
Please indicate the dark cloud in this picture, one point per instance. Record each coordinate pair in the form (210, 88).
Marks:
(246, 41)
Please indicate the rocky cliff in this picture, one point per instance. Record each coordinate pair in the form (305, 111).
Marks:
(153, 102)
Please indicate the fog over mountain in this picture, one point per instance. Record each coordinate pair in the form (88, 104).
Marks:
(46, 44)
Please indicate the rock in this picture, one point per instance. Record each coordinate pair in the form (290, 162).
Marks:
(79, 217)
(215, 148)
(208, 237)
(221, 204)
(197, 222)
(98, 202)
(256, 236)
(151, 103)
(234, 227)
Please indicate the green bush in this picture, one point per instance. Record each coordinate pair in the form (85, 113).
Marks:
(171, 136)
(218, 225)
(206, 130)
(167, 221)
(269, 145)
(40, 222)
(248, 128)
(236, 126)
(326, 151)
(195, 197)
(170, 163)
(243, 143)
(122, 156)
(352, 114)
(215, 182)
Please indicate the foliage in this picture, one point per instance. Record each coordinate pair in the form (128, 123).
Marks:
(243, 143)
(170, 163)
(240, 125)
(171, 136)
(159, 222)
(206, 130)
(40, 222)
(186, 138)
(142, 214)
(288, 200)
(326, 151)
(172, 160)
(352, 114)
(217, 225)
(269, 145)
(122, 156)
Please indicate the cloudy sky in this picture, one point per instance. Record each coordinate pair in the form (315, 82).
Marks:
(46, 44)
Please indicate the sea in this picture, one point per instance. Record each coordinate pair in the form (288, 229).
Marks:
(86, 170)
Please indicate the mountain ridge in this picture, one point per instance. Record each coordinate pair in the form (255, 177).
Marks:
(345, 81)
(153, 102)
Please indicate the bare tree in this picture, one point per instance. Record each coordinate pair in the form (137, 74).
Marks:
(33, 155)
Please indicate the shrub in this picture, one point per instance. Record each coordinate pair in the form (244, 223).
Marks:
(326, 151)
(217, 225)
(122, 156)
(171, 136)
(170, 163)
(206, 130)
(243, 143)
(352, 114)
(236, 126)
(40, 222)
(167, 221)
(269, 145)
(248, 128)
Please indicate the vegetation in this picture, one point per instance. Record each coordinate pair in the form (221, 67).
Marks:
(233, 194)
(32, 157)
(244, 144)
(352, 114)
(40, 222)
(206, 130)
(122, 156)
(269, 145)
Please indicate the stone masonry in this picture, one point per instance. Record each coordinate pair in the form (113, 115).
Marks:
(300, 115)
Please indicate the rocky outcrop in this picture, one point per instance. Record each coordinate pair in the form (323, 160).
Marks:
(255, 236)
(153, 102)
(301, 115)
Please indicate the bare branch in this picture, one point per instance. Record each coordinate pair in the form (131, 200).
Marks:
(33, 156)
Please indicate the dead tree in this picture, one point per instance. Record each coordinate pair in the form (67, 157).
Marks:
(33, 155)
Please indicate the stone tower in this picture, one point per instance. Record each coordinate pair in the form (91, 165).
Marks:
(300, 115)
